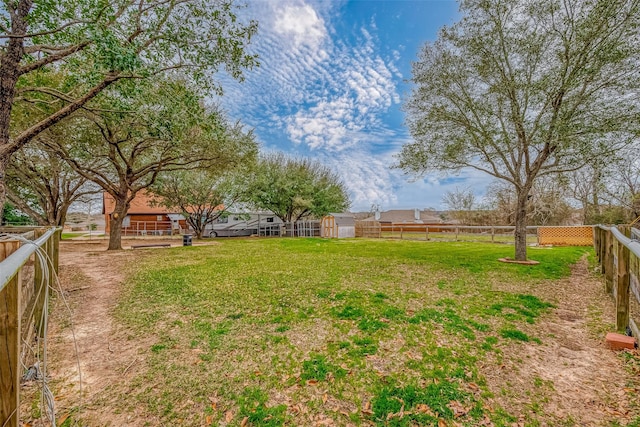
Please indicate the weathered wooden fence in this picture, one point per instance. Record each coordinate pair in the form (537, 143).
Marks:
(23, 284)
(619, 258)
(368, 229)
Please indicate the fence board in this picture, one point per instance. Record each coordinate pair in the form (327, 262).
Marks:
(368, 229)
(9, 344)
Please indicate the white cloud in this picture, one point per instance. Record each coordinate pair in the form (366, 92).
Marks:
(300, 24)
(325, 95)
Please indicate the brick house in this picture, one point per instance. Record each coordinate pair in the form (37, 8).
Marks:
(144, 218)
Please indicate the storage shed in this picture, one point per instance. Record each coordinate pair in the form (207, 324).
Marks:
(338, 225)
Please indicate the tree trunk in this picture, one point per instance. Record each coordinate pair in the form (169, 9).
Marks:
(520, 233)
(115, 224)
(9, 74)
(196, 226)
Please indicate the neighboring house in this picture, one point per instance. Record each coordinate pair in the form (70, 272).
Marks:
(144, 217)
(409, 216)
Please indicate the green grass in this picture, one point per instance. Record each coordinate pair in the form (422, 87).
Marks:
(286, 331)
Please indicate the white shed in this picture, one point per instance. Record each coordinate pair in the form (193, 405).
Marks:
(338, 225)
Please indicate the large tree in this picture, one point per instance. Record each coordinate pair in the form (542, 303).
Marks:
(100, 43)
(294, 189)
(520, 89)
(155, 127)
(42, 185)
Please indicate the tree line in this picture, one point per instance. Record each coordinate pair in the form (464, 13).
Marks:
(112, 96)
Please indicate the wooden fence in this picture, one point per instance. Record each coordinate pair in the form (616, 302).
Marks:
(368, 229)
(22, 302)
(495, 234)
(619, 258)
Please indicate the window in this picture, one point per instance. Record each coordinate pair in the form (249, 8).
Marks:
(159, 217)
(222, 220)
(270, 219)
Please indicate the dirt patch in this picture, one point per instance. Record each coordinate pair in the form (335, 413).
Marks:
(571, 376)
(91, 279)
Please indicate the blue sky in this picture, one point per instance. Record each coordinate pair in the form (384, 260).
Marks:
(331, 83)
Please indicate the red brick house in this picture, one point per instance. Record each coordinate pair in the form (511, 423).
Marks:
(144, 217)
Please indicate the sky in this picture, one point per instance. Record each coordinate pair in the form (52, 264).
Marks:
(332, 79)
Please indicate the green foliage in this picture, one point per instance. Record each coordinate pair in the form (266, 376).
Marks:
(13, 216)
(523, 89)
(514, 334)
(317, 368)
(253, 406)
(518, 307)
(389, 401)
(204, 195)
(160, 127)
(97, 45)
(294, 189)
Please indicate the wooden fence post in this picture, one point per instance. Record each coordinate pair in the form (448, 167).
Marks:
(39, 287)
(622, 292)
(10, 344)
(457, 233)
(608, 272)
(427, 228)
(401, 232)
(493, 234)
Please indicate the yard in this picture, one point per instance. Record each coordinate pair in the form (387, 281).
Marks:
(305, 332)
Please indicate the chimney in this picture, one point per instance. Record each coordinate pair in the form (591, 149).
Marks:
(416, 214)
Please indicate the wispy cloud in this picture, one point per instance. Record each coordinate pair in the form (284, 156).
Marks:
(322, 95)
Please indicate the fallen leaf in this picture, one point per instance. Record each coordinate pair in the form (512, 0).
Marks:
(244, 422)
(63, 418)
(312, 382)
(473, 386)
(208, 420)
(324, 398)
(442, 423)
(457, 408)
(228, 416)
(424, 409)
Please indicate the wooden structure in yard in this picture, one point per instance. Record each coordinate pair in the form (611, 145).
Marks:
(566, 235)
(24, 284)
(338, 225)
(619, 258)
(368, 229)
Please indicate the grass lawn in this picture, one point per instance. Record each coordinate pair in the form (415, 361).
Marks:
(271, 332)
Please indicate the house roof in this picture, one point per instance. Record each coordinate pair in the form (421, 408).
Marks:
(408, 216)
(141, 204)
(345, 219)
